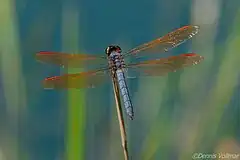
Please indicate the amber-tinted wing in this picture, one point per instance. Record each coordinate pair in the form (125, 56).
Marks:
(78, 80)
(71, 60)
(160, 67)
(166, 42)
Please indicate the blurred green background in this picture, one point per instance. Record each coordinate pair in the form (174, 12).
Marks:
(196, 110)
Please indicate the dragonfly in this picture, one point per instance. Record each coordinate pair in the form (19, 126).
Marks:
(112, 65)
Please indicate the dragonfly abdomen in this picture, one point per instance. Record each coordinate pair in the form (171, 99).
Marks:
(124, 92)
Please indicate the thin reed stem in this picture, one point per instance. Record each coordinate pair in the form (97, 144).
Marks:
(120, 120)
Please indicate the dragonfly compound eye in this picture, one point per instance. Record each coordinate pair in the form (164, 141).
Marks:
(109, 50)
(112, 48)
(118, 49)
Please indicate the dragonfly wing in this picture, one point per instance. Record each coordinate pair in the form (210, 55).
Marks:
(79, 80)
(71, 60)
(163, 66)
(163, 44)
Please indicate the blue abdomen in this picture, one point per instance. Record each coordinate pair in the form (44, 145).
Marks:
(124, 92)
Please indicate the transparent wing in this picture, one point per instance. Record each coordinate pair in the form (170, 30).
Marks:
(166, 42)
(71, 60)
(163, 66)
(79, 80)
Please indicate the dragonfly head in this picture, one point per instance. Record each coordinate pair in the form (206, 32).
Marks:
(111, 49)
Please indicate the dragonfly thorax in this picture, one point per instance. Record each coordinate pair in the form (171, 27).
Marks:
(115, 57)
(116, 60)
